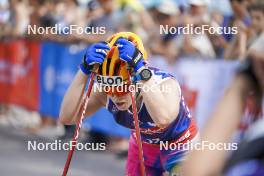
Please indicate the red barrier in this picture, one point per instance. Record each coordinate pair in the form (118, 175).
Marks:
(19, 73)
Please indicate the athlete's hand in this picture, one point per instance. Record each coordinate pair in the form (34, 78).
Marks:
(95, 54)
(129, 53)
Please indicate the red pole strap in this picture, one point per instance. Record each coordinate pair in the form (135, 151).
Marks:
(78, 125)
(138, 137)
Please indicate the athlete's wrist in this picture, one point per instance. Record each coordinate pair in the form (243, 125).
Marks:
(141, 68)
(137, 61)
(84, 69)
(84, 66)
(142, 75)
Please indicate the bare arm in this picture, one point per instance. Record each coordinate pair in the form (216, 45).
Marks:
(73, 98)
(219, 129)
(161, 103)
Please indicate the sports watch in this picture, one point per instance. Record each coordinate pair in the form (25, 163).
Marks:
(143, 75)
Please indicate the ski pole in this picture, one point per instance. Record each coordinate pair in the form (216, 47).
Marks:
(138, 137)
(79, 124)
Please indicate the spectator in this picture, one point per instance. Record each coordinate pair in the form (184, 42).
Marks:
(110, 17)
(240, 13)
(135, 18)
(190, 44)
(240, 19)
(248, 82)
(5, 15)
(106, 14)
(14, 17)
(246, 33)
(256, 28)
(165, 15)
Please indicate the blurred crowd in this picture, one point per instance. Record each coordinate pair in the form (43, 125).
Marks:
(144, 17)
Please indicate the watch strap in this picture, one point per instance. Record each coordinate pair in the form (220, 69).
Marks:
(137, 57)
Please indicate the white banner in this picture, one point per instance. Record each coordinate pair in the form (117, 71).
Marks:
(202, 81)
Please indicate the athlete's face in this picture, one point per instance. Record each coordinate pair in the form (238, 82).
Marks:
(122, 102)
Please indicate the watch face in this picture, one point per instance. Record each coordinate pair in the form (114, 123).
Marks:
(146, 74)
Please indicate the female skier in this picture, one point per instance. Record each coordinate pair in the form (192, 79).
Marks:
(164, 118)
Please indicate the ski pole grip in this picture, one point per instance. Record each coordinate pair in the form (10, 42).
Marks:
(95, 68)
